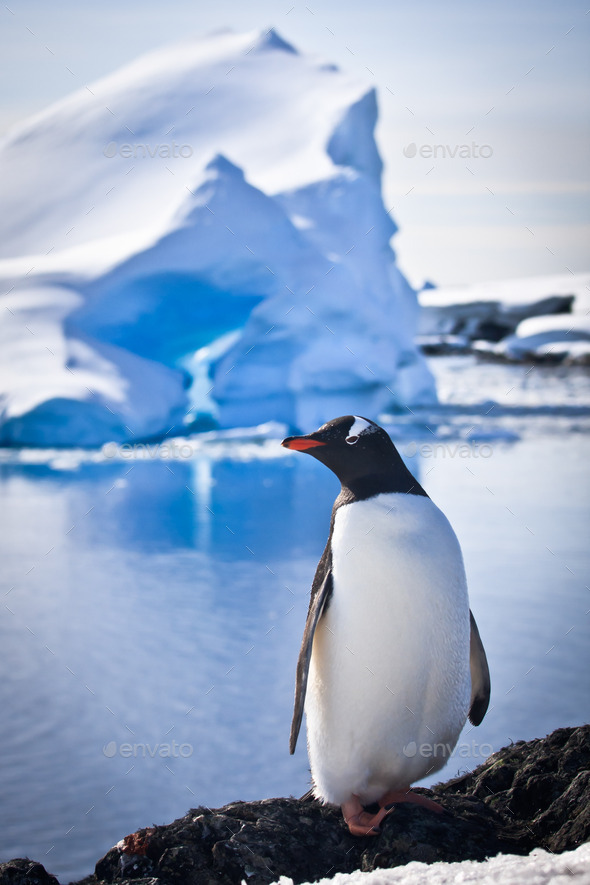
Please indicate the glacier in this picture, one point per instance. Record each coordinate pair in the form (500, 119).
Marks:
(197, 240)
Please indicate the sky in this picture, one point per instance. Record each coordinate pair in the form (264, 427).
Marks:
(484, 127)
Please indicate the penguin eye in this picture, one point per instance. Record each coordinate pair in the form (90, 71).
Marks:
(351, 440)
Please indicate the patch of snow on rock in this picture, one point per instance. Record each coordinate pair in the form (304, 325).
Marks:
(538, 868)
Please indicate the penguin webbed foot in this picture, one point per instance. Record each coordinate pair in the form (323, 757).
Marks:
(362, 822)
(408, 795)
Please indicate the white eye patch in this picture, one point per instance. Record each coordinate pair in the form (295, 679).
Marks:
(360, 426)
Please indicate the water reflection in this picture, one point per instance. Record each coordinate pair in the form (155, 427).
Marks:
(149, 605)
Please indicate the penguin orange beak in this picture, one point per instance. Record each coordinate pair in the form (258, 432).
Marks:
(301, 443)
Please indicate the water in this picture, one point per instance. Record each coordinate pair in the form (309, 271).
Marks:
(152, 612)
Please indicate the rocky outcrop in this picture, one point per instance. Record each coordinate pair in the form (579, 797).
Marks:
(530, 794)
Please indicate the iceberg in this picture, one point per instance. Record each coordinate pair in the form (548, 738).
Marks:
(58, 388)
(201, 237)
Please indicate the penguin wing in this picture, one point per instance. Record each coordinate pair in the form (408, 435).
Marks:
(320, 593)
(480, 676)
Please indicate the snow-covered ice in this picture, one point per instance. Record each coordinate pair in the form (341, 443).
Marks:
(506, 311)
(538, 868)
(563, 336)
(223, 185)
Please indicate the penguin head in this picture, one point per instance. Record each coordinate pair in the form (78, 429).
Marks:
(354, 448)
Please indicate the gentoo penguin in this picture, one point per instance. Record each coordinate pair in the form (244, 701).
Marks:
(391, 662)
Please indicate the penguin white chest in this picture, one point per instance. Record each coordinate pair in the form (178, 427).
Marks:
(389, 678)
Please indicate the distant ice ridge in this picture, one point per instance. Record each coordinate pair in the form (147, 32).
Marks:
(558, 338)
(212, 210)
(539, 319)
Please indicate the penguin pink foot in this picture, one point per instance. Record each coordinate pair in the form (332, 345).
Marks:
(407, 795)
(359, 821)
(363, 823)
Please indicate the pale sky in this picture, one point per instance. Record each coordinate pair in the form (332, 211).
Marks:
(488, 101)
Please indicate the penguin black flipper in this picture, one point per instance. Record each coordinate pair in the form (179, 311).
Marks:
(321, 590)
(480, 676)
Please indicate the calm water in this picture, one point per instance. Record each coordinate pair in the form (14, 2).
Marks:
(152, 613)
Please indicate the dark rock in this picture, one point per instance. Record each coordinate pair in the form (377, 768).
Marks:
(444, 345)
(22, 871)
(533, 794)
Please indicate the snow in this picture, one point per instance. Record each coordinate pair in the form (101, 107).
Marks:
(221, 197)
(541, 336)
(539, 868)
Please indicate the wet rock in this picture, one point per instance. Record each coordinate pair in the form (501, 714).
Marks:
(530, 794)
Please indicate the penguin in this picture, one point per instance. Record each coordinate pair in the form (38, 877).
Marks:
(391, 662)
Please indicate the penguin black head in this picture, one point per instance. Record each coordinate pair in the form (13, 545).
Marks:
(361, 454)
